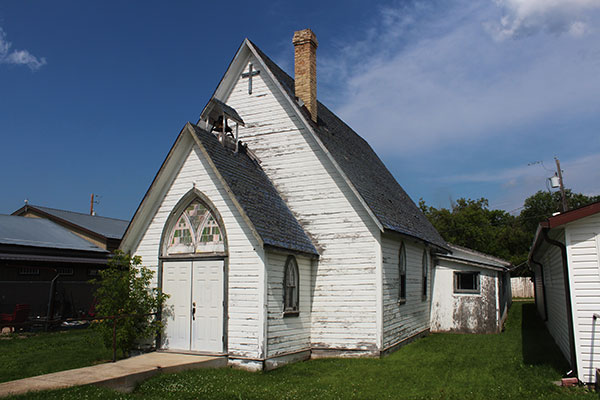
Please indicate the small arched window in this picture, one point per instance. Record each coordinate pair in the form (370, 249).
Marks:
(196, 231)
(291, 280)
(402, 273)
(425, 269)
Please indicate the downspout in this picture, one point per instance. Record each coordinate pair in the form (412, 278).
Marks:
(563, 252)
(545, 316)
(498, 312)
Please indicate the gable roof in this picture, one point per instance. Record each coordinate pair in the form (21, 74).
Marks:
(559, 220)
(385, 198)
(571, 215)
(255, 193)
(39, 232)
(464, 255)
(110, 228)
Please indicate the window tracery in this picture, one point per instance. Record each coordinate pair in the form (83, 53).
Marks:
(195, 231)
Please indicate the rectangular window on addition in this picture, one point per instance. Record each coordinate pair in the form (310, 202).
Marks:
(466, 282)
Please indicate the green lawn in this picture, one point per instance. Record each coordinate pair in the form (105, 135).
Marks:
(520, 363)
(23, 355)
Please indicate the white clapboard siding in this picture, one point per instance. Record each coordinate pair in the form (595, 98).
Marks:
(400, 321)
(244, 261)
(287, 334)
(327, 208)
(556, 306)
(583, 252)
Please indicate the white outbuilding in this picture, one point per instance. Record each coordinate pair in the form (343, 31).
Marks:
(471, 292)
(565, 257)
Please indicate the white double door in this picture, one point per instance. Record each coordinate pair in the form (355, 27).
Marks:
(194, 312)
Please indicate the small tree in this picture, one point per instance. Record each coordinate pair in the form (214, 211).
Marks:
(125, 290)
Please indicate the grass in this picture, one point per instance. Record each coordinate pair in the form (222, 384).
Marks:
(520, 363)
(24, 354)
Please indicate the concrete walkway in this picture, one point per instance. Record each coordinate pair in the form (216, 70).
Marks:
(123, 375)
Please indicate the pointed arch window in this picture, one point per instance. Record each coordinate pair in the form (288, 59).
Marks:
(195, 231)
(402, 274)
(291, 279)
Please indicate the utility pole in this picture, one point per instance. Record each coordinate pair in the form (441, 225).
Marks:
(94, 200)
(562, 187)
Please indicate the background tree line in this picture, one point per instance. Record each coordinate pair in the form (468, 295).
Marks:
(472, 224)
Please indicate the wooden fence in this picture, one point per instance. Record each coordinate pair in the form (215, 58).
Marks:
(521, 286)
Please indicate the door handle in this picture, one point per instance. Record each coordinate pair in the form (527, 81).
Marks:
(194, 311)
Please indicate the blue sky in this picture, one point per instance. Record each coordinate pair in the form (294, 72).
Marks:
(457, 97)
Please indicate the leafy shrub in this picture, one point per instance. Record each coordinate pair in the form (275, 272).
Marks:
(124, 290)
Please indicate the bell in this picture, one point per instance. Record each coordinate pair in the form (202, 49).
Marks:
(218, 126)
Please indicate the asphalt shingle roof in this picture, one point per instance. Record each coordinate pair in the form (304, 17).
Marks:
(110, 228)
(392, 206)
(254, 191)
(39, 232)
(464, 253)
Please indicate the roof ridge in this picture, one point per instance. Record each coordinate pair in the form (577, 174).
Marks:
(36, 225)
(376, 186)
(272, 64)
(265, 56)
(77, 212)
(477, 252)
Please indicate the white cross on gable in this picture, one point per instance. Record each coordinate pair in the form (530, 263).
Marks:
(249, 75)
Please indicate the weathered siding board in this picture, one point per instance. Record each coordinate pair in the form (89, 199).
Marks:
(400, 321)
(292, 333)
(464, 312)
(583, 253)
(556, 305)
(343, 313)
(244, 261)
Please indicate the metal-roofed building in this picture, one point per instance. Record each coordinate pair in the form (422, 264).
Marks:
(36, 251)
(103, 232)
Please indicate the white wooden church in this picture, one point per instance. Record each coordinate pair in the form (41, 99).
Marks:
(278, 232)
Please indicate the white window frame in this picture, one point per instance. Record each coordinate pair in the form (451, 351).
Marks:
(477, 282)
(402, 274)
(291, 287)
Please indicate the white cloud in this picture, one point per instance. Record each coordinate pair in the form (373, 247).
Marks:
(581, 174)
(18, 57)
(435, 77)
(430, 88)
(526, 17)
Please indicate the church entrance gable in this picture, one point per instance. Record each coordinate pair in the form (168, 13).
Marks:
(193, 274)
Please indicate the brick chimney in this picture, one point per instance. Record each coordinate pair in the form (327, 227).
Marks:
(305, 69)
